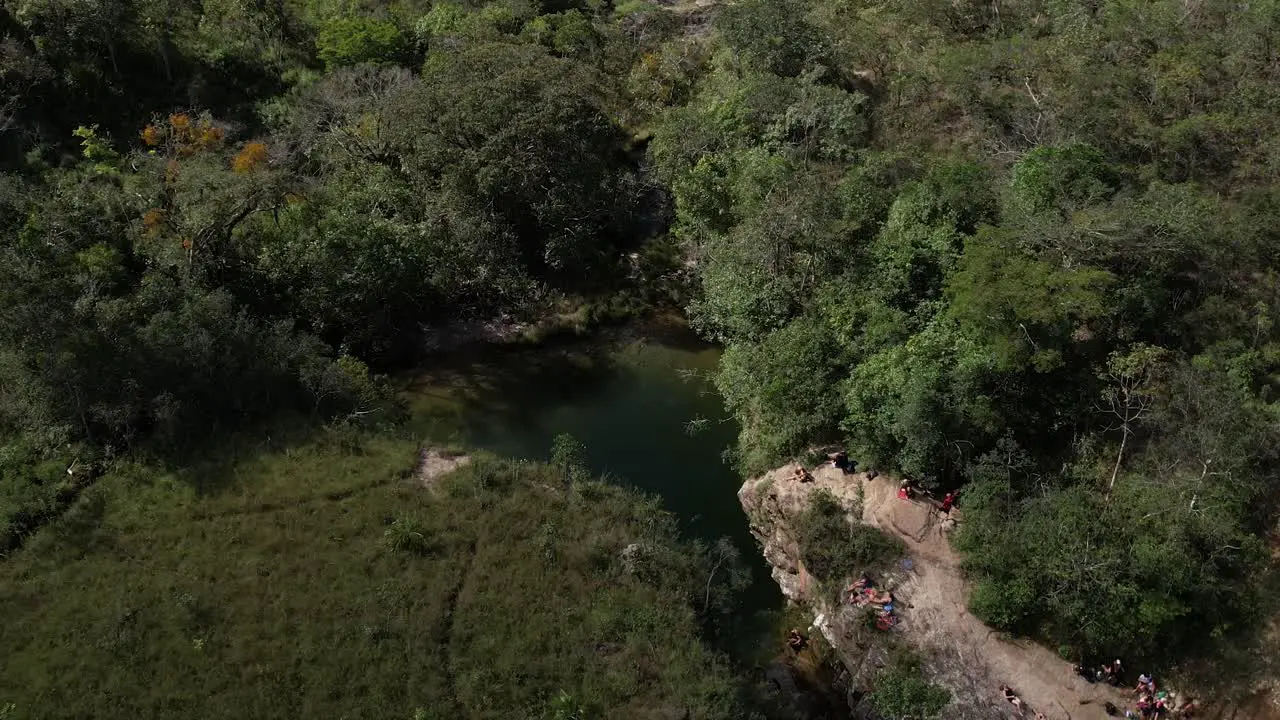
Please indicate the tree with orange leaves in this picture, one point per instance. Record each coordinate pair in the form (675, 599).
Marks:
(182, 136)
(250, 158)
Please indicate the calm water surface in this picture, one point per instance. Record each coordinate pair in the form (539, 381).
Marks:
(645, 409)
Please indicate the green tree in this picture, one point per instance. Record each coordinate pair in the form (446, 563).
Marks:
(1061, 178)
(346, 41)
(528, 135)
(785, 391)
(772, 35)
(1026, 312)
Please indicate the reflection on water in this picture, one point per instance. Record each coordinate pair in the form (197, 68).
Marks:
(646, 411)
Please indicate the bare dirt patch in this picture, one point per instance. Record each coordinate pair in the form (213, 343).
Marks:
(434, 464)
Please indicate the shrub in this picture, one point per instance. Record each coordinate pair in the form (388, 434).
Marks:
(1002, 604)
(901, 692)
(408, 536)
(356, 40)
(832, 547)
(569, 457)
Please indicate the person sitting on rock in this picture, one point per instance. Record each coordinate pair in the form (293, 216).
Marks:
(947, 501)
(840, 461)
(905, 491)
(801, 474)
(795, 640)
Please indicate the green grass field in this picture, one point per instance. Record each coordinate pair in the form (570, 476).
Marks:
(320, 580)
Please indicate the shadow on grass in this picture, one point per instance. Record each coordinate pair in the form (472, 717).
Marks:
(296, 450)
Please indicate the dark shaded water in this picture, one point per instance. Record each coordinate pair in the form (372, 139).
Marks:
(645, 408)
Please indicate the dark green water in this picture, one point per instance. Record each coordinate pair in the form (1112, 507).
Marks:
(645, 408)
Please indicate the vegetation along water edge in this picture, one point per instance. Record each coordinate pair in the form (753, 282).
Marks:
(1023, 251)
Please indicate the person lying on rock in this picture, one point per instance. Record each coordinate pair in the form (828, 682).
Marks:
(1011, 697)
(854, 590)
(871, 597)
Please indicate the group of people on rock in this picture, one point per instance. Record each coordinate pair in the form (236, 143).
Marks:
(907, 490)
(838, 460)
(863, 593)
(910, 490)
(1106, 672)
(1151, 704)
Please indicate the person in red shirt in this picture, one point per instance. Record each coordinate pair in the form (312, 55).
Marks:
(947, 501)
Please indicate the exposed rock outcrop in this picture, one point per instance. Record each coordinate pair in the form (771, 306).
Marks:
(967, 657)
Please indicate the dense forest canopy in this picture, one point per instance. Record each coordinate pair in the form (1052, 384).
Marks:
(1025, 247)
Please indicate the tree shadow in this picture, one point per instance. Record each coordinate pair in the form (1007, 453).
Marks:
(473, 394)
(209, 467)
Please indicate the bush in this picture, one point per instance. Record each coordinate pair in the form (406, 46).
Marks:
(408, 536)
(900, 692)
(1002, 604)
(832, 547)
(355, 40)
(1061, 176)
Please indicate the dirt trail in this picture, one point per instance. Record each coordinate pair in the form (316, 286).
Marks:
(973, 660)
(936, 594)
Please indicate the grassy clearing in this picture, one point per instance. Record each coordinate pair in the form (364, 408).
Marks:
(320, 581)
